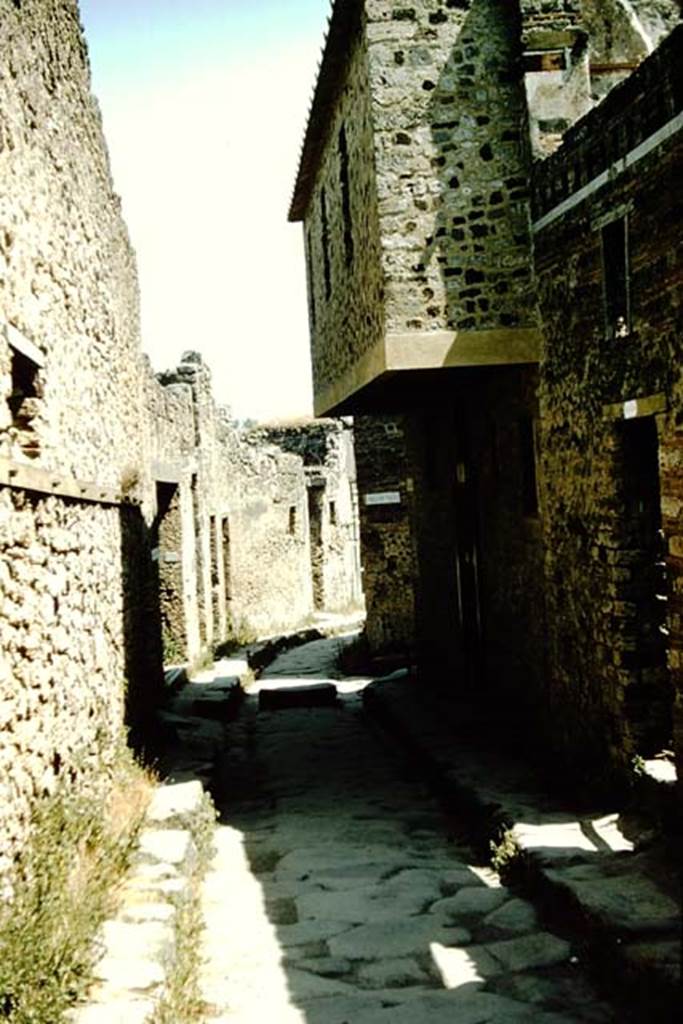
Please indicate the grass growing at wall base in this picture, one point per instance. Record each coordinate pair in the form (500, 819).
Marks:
(62, 889)
(240, 634)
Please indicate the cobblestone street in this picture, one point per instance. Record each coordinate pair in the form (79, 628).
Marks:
(339, 892)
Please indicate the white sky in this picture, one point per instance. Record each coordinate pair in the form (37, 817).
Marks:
(204, 135)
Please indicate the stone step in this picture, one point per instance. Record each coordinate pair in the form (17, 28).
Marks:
(315, 695)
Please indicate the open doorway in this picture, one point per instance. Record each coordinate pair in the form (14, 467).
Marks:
(315, 525)
(167, 542)
(644, 590)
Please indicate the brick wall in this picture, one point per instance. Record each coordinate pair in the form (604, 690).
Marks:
(607, 684)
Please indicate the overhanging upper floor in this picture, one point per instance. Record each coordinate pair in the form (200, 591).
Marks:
(404, 367)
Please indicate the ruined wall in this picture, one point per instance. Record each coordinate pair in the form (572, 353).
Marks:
(242, 523)
(269, 537)
(327, 449)
(387, 552)
(621, 34)
(610, 401)
(70, 431)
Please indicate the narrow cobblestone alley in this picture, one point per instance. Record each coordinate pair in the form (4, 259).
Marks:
(338, 893)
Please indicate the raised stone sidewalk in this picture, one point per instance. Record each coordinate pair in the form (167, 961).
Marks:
(602, 875)
(137, 947)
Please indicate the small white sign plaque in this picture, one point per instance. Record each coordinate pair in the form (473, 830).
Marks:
(382, 498)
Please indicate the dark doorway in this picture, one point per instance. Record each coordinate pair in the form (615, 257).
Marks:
(199, 557)
(467, 559)
(215, 578)
(167, 546)
(315, 526)
(227, 573)
(648, 698)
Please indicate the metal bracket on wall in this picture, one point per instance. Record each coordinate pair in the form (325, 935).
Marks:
(23, 477)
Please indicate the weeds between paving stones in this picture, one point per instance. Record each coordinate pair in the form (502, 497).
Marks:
(63, 887)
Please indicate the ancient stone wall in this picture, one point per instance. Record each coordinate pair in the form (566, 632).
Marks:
(72, 582)
(451, 155)
(69, 284)
(269, 539)
(327, 449)
(609, 270)
(387, 552)
(243, 518)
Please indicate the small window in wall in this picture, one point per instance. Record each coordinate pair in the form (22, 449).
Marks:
(292, 520)
(24, 401)
(544, 60)
(616, 277)
(345, 195)
(333, 513)
(527, 452)
(326, 243)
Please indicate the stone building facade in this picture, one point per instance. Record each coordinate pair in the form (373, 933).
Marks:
(415, 190)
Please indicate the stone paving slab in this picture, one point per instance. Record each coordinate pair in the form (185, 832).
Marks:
(314, 695)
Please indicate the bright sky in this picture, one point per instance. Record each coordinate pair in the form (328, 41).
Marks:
(204, 105)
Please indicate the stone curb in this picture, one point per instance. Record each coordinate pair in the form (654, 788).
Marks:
(629, 929)
(137, 947)
(260, 654)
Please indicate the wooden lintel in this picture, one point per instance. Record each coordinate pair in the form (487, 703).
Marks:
(20, 343)
(168, 472)
(24, 477)
(635, 408)
(608, 69)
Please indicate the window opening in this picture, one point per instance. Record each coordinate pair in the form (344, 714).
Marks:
(545, 60)
(345, 195)
(333, 513)
(292, 519)
(616, 277)
(326, 244)
(24, 401)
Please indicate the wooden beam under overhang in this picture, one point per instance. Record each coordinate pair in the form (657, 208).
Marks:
(399, 354)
